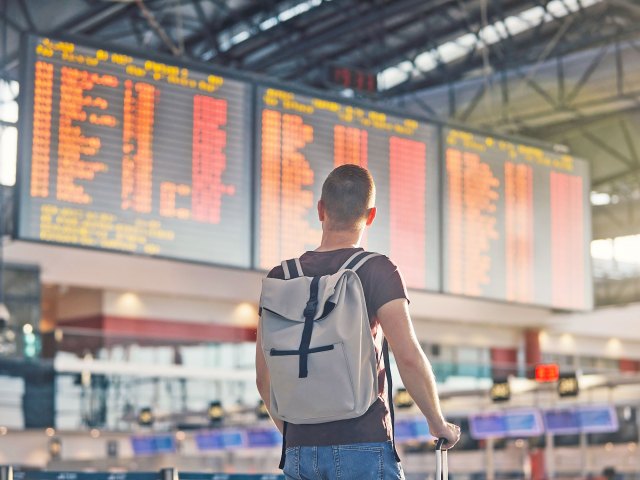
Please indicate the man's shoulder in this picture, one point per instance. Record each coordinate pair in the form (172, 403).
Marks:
(380, 264)
(276, 272)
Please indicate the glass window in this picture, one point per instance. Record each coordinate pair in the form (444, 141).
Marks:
(602, 249)
(21, 282)
(8, 103)
(8, 154)
(627, 248)
(472, 362)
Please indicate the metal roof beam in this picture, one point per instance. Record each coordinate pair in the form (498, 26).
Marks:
(354, 22)
(448, 28)
(225, 23)
(26, 13)
(324, 15)
(523, 53)
(369, 62)
(96, 17)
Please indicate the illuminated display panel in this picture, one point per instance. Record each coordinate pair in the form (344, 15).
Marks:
(134, 155)
(301, 139)
(516, 222)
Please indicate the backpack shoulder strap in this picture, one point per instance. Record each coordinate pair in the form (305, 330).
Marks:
(355, 261)
(292, 268)
(387, 370)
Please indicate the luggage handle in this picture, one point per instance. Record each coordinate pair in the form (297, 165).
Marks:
(442, 465)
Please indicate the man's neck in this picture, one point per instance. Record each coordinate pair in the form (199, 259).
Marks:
(337, 239)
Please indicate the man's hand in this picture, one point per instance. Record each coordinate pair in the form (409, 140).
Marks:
(448, 431)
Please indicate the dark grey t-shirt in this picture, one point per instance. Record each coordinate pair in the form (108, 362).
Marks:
(382, 283)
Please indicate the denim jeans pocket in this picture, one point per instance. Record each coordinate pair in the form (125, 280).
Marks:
(291, 468)
(360, 461)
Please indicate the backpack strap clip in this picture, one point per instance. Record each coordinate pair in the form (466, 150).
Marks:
(311, 308)
(292, 268)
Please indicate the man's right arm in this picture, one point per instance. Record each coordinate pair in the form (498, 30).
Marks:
(415, 369)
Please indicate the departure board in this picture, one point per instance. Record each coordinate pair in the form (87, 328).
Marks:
(301, 139)
(516, 222)
(130, 154)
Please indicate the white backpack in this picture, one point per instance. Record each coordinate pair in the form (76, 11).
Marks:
(318, 345)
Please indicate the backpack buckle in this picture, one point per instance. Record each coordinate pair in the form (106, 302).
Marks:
(310, 309)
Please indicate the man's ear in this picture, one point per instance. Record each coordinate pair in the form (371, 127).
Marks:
(321, 211)
(371, 215)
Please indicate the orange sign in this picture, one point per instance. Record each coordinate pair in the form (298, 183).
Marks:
(547, 373)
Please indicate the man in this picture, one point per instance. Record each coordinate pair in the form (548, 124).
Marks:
(359, 448)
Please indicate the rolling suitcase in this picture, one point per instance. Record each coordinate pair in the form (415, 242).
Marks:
(442, 467)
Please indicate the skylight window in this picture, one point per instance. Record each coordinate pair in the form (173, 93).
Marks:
(230, 39)
(489, 35)
(8, 134)
(424, 62)
(8, 105)
(268, 23)
(621, 249)
(600, 198)
(8, 146)
(240, 37)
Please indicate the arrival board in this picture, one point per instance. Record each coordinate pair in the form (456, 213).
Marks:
(301, 139)
(516, 222)
(130, 154)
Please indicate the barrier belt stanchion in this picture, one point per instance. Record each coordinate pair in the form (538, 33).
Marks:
(6, 472)
(167, 474)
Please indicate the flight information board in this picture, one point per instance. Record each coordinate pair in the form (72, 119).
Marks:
(129, 154)
(301, 139)
(516, 222)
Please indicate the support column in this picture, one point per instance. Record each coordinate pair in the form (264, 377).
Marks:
(489, 459)
(533, 356)
(584, 455)
(532, 353)
(627, 365)
(169, 474)
(6, 472)
(549, 457)
(504, 362)
(537, 465)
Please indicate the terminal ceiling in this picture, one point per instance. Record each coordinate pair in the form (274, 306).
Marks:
(563, 71)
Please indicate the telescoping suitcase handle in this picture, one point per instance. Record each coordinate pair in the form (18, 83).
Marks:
(442, 467)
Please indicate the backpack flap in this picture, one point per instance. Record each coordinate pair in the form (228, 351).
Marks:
(288, 298)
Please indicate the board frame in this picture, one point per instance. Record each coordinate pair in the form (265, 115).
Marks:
(25, 119)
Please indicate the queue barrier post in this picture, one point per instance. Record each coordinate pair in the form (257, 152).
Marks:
(6, 472)
(167, 474)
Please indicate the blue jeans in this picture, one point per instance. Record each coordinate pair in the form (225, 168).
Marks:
(358, 461)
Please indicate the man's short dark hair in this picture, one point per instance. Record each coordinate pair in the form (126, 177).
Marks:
(348, 194)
